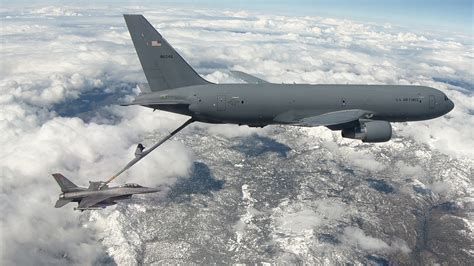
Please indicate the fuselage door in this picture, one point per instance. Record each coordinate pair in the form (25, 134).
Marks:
(432, 102)
(221, 103)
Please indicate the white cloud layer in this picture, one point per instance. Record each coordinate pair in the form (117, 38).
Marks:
(356, 236)
(53, 55)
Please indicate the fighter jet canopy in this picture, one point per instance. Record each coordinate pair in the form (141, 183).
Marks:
(132, 185)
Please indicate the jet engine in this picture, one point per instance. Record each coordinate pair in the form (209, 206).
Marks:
(370, 131)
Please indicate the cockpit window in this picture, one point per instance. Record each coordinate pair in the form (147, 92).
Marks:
(132, 185)
(446, 98)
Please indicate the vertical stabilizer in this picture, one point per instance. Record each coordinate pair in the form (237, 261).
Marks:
(164, 68)
(65, 184)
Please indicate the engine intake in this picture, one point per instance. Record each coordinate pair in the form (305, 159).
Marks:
(370, 131)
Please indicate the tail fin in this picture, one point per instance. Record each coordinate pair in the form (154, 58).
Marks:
(64, 183)
(164, 68)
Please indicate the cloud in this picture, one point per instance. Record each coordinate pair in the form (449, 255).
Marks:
(410, 171)
(295, 224)
(173, 160)
(65, 64)
(298, 219)
(55, 12)
(441, 187)
(356, 237)
(82, 152)
(358, 159)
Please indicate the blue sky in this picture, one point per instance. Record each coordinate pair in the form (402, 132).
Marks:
(451, 15)
(434, 14)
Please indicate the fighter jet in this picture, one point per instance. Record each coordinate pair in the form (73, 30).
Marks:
(362, 112)
(97, 196)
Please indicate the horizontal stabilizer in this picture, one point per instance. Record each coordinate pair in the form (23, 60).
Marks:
(144, 88)
(247, 77)
(62, 202)
(147, 102)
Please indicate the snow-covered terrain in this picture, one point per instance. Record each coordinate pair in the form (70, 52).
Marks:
(230, 194)
(301, 196)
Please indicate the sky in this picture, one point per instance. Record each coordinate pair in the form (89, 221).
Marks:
(59, 55)
(453, 15)
(434, 14)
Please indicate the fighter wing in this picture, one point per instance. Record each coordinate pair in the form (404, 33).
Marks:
(329, 119)
(91, 201)
(247, 77)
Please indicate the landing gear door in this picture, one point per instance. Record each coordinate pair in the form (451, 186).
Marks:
(221, 103)
(432, 102)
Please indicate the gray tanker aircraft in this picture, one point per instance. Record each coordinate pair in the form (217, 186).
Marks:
(362, 112)
(97, 196)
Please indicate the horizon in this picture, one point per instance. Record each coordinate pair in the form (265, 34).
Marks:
(434, 15)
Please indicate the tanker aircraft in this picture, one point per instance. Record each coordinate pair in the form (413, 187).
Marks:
(362, 112)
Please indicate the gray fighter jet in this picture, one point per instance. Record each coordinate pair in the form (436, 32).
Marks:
(97, 196)
(362, 112)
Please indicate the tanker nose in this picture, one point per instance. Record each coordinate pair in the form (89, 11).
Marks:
(450, 105)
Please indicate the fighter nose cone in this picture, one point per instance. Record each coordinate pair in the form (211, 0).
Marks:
(152, 190)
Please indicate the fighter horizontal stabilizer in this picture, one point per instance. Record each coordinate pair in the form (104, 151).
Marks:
(247, 77)
(62, 202)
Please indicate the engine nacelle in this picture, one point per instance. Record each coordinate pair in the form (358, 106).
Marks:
(370, 131)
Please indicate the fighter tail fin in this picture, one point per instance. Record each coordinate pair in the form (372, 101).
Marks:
(164, 68)
(65, 184)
